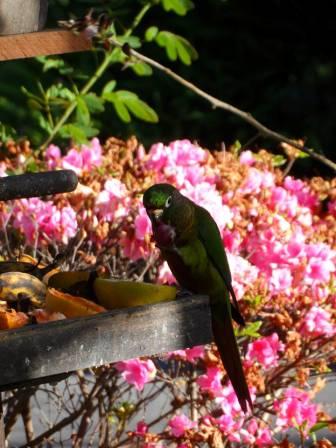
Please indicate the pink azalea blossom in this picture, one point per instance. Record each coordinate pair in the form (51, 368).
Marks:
(247, 158)
(295, 409)
(255, 181)
(36, 218)
(137, 372)
(133, 248)
(73, 161)
(112, 202)
(53, 156)
(317, 322)
(256, 435)
(211, 381)
(281, 280)
(165, 274)
(142, 224)
(141, 429)
(265, 350)
(179, 424)
(189, 354)
(91, 155)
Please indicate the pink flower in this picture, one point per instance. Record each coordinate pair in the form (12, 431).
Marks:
(165, 274)
(280, 281)
(265, 350)
(211, 381)
(317, 322)
(255, 181)
(112, 202)
(53, 156)
(91, 155)
(73, 161)
(246, 158)
(142, 224)
(141, 429)
(189, 354)
(179, 424)
(256, 435)
(206, 195)
(137, 372)
(230, 426)
(295, 409)
(36, 217)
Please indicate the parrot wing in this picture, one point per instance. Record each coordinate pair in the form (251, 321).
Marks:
(209, 235)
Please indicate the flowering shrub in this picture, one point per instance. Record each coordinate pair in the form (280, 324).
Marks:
(280, 235)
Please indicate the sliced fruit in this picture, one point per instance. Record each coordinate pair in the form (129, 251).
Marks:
(70, 306)
(12, 319)
(64, 280)
(43, 316)
(125, 293)
(16, 285)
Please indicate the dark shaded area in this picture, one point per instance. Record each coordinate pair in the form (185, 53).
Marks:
(275, 59)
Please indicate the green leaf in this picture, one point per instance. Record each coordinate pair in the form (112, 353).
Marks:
(176, 47)
(318, 427)
(151, 33)
(251, 330)
(78, 133)
(180, 7)
(278, 160)
(122, 111)
(137, 107)
(109, 87)
(142, 69)
(302, 155)
(82, 111)
(132, 41)
(93, 102)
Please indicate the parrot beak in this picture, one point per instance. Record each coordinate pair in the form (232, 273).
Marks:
(155, 214)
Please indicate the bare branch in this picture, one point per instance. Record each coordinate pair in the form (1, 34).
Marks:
(217, 103)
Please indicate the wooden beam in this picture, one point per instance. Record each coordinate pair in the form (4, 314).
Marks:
(43, 350)
(41, 43)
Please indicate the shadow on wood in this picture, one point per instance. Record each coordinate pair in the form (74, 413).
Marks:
(40, 351)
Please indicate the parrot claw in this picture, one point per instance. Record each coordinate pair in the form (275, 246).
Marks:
(184, 293)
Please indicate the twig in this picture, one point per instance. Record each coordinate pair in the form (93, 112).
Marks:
(215, 102)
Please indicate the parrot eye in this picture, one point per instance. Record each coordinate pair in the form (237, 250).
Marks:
(168, 202)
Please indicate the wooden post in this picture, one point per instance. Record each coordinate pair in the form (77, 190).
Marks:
(42, 43)
(2, 426)
(22, 16)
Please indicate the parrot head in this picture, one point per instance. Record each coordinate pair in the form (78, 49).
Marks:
(169, 211)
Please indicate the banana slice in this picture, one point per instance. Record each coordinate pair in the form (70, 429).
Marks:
(124, 293)
(14, 285)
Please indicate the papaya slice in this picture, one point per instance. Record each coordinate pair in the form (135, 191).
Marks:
(69, 305)
(12, 319)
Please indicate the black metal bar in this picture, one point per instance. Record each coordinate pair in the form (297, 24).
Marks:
(37, 184)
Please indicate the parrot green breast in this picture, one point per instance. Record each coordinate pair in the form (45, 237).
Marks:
(194, 270)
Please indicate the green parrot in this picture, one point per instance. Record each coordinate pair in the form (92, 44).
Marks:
(190, 242)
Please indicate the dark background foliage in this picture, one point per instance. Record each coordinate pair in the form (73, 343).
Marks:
(275, 59)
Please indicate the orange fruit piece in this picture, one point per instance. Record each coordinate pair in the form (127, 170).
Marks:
(69, 305)
(12, 319)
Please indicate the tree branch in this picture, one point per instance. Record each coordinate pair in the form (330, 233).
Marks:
(216, 103)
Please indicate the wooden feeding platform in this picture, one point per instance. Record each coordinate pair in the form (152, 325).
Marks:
(36, 352)
(43, 353)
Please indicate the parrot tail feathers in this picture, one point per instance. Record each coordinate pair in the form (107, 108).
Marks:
(228, 349)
